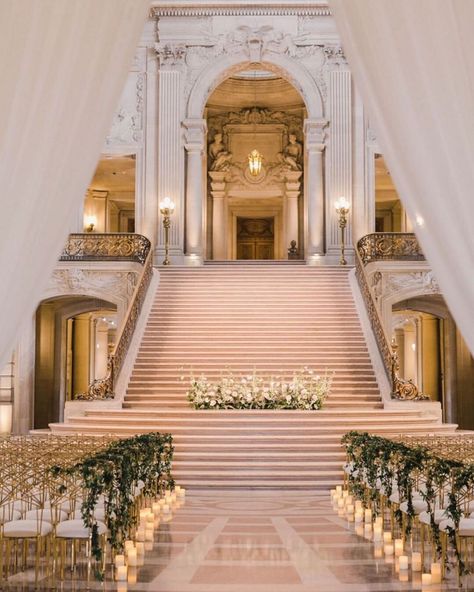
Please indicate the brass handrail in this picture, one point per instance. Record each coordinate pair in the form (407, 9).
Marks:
(394, 246)
(401, 389)
(111, 246)
(104, 388)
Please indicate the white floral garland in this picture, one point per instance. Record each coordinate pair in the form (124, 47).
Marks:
(306, 390)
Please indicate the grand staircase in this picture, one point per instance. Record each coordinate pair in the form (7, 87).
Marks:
(271, 318)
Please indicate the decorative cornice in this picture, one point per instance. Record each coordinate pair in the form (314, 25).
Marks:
(241, 9)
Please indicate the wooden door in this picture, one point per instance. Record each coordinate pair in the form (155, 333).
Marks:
(255, 238)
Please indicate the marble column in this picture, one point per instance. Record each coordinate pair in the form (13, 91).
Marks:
(219, 226)
(170, 159)
(314, 214)
(339, 161)
(195, 138)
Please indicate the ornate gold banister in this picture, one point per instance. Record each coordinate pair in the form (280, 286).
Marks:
(395, 246)
(400, 388)
(104, 388)
(111, 246)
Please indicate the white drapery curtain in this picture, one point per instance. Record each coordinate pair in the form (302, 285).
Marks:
(63, 65)
(413, 63)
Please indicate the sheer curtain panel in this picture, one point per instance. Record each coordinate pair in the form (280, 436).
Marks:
(63, 65)
(413, 63)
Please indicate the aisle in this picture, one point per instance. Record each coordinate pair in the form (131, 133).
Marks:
(258, 542)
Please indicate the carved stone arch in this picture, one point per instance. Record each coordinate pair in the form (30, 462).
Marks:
(222, 68)
(121, 303)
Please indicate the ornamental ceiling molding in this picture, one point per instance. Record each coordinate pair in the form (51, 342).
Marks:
(295, 9)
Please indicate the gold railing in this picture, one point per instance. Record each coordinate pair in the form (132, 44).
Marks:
(104, 388)
(401, 389)
(116, 246)
(395, 246)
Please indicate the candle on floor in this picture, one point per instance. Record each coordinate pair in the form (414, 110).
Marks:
(416, 561)
(387, 536)
(436, 573)
(398, 547)
(368, 515)
(150, 519)
(156, 508)
(339, 489)
(149, 534)
(377, 532)
(388, 549)
(140, 549)
(345, 494)
(132, 575)
(349, 500)
(368, 530)
(333, 493)
(132, 557)
(340, 503)
(166, 509)
(119, 560)
(168, 499)
(168, 492)
(128, 545)
(403, 562)
(426, 579)
(140, 536)
(162, 502)
(359, 530)
(121, 575)
(358, 505)
(379, 520)
(144, 513)
(359, 516)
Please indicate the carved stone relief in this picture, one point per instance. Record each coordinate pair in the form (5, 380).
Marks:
(127, 124)
(424, 281)
(74, 280)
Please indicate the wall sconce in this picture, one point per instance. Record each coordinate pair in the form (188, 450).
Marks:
(166, 210)
(91, 222)
(342, 208)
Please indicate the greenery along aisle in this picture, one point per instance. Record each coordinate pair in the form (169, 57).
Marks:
(438, 470)
(306, 391)
(119, 472)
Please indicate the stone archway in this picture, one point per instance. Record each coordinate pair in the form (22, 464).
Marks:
(195, 142)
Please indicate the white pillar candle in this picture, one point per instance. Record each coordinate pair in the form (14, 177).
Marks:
(333, 493)
(359, 530)
(358, 505)
(416, 561)
(345, 494)
(121, 574)
(156, 508)
(149, 534)
(368, 530)
(398, 547)
(144, 513)
(128, 545)
(349, 500)
(182, 492)
(140, 536)
(339, 489)
(426, 579)
(368, 515)
(377, 532)
(359, 516)
(166, 509)
(177, 488)
(168, 499)
(379, 520)
(119, 560)
(387, 537)
(148, 546)
(162, 502)
(388, 549)
(436, 573)
(403, 562)
(132, 557)
(150, 518)
(350, 509)
(340, 503)
(140, 549)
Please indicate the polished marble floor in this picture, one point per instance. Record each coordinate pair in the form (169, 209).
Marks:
(255, 542)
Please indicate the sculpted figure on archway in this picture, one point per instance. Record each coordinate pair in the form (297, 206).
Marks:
(291, 154)
(218, 155)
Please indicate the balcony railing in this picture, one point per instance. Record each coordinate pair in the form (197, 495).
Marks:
(116, 246)
(401, 389)
(391, 246)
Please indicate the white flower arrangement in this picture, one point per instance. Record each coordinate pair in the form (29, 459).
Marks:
(306, 390)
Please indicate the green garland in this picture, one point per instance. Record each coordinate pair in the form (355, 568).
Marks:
(115, 472)
(373, 457)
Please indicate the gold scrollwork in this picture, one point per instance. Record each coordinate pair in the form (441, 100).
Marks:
(100, 247)
(402, 246)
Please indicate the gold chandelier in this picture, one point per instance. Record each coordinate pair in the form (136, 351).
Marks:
(255, 162)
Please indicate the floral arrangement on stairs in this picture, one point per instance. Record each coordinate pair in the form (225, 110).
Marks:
(306, 391)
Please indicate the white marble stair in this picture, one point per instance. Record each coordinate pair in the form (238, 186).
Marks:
(272, 318)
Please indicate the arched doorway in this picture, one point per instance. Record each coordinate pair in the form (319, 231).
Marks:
(307, 219)
(73, 337)
(254, 215)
